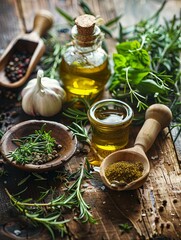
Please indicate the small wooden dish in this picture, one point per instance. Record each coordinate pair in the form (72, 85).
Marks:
(59, 131)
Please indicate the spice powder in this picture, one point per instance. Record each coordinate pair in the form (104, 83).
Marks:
(124, 172)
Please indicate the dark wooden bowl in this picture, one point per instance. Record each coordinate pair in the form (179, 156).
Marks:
(59, 131)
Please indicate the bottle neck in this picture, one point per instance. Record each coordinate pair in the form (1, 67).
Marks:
(87, 43)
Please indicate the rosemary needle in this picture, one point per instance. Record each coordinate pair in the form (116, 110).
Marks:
(51, 214)
(35, 148)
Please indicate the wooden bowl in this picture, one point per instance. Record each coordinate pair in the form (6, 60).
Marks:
(60, 132)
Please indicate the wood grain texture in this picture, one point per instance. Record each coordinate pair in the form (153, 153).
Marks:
(155, 208)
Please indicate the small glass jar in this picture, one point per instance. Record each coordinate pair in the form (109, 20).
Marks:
(110, 121)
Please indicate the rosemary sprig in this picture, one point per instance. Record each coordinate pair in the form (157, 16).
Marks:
(85, 7)
(64, 14)
(82, 134)
(39, 142)
(78, 114)
(75, 114)
(51, 214)
(76, 192)
(36, 213)
(50, 61)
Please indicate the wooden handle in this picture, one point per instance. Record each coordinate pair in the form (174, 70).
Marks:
(42, 22)
(157, 117)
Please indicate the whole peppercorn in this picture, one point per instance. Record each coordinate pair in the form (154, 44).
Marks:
(167, 225)
(161, 208)
(164, 202)
(156, 219)
(17, 66)
(162, 226)
(175, 200)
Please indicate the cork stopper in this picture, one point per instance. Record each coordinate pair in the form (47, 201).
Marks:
(85, 24)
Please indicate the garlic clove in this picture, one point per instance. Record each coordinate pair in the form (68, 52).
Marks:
(27, 103)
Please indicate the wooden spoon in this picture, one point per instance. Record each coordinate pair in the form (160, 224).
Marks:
(29, 42)
(157, 117)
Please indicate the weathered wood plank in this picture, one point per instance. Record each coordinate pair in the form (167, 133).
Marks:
(10, 25)
(142, 208)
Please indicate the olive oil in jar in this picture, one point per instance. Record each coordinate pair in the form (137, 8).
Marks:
(110, 122)
(84, 69)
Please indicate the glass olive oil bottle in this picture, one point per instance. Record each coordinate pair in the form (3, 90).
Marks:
(84, 69)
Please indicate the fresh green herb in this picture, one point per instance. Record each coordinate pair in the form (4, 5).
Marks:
(67, 17)
(37, 148)
(113, 21)
(105, 28)
(85, 7)
(125, 228)
(147, 64)
(51, 214)
(81, 132)
(24, 180)
(75, 114)
(51, 59)
(38, 177)
(78, 114)
(76, 195)
(133, 74)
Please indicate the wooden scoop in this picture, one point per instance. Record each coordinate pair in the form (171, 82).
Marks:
(29, 42)
(157, 117)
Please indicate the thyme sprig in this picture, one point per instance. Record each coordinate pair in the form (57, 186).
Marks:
(51, 214)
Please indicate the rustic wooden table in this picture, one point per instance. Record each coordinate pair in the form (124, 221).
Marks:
(154, 210)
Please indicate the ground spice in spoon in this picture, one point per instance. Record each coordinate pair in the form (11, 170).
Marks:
(123, 172)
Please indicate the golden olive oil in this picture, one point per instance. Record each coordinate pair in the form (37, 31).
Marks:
(84, 69)
(110, 122)
(110, 137)
(84, 80)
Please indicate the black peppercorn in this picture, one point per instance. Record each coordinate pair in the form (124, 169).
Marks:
(17, 66)
(164, 202)
(161, 208)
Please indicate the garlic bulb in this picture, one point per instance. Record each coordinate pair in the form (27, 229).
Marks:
(42, 96)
